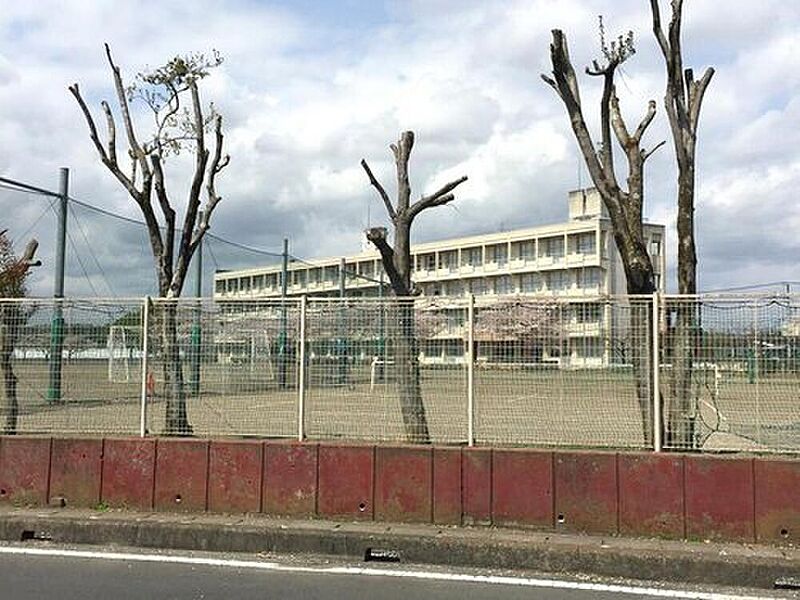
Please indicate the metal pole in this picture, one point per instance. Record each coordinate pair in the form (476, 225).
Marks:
(382, 332)
(470, 371)
(301, 388)
(145, 352)
(657, 418)
(57, 326)
(196, 334)
(282, 337)
(340, 342)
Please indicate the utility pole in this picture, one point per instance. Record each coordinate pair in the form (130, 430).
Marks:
(57, 325)
(196, 335)
(282, 341)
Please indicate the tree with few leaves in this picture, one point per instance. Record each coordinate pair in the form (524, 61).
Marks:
(13, 272)
(682, 100)
(398, 266)
(624, 206)
(171, 95)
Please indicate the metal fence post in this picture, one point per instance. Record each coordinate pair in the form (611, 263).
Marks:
(301, 386)
(657, 418)
(145, 353)
(470, 371)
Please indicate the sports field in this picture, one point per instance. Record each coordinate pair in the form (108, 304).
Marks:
(533, 406)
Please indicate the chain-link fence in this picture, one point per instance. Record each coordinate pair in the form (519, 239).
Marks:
(504, 371)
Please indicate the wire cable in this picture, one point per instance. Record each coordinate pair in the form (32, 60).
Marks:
(91, 250)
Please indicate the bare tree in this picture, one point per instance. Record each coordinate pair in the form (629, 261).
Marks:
(397, 264)
(172, 95)
(624, 205)
(683, 99)
(13, 272)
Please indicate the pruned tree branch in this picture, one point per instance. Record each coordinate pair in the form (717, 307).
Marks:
(439, 198)
(381, 191)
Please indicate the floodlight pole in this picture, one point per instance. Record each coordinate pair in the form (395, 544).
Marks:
(57, 324)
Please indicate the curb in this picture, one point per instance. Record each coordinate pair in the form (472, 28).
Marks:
(657, 560)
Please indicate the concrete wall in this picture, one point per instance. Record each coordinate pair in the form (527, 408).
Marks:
(671, 495)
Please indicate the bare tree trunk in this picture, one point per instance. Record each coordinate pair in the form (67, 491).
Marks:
(412, 407)
(624, 207)
(682, 100)
(176, 420)
(398, 266)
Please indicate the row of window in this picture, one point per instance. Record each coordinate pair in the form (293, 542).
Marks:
(498, 254)
(588, 279)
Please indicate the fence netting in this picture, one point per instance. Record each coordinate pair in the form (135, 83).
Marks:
(729, 373)
(716, 372)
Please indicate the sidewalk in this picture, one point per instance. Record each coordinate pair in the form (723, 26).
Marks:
(747, 565)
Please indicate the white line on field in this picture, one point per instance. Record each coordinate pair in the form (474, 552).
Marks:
(375, 572)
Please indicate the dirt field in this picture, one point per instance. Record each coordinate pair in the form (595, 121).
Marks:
(551, 407)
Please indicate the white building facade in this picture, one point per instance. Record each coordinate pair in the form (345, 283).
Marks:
(574, 259)
(575, 262)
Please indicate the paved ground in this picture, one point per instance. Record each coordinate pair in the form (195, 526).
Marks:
(517, 551)
(65, 573)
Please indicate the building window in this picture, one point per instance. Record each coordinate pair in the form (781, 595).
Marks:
(552, 247)
(498, 254)
(426, 262)
(587, 313)
(315, 275)
(503, 285)
(523, 250)
(299, 278)
(244, 284)
(655, 246)
(272, 281)
(585, 243)
(477, 287)
(454, 288)
(233, 285)
(332, 274)
(366, 269)
(258, 282)
(448, 260)
(589, 278)
(472, 257)
(530, 282)
(558, 280)
(219, 286)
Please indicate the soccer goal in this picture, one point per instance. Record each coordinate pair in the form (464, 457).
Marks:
(119, 355)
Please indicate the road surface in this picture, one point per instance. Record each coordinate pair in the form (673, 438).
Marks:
(48, 571)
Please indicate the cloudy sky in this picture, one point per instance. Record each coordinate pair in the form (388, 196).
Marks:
(309, 87)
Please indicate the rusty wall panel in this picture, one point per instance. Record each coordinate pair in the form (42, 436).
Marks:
(346, 478)
(129, 473)
(447, 501)
(651, 494)
(290, 479)
(586, 491)
(719, 498)
(777, 500)
(403, 484)
(181, 475)
(234, 476)
(75, 471)
(24, 470)
(476, 470)
(522, 488)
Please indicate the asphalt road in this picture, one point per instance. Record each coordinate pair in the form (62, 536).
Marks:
(97, 574)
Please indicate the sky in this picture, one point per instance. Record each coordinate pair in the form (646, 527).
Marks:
(308, 88)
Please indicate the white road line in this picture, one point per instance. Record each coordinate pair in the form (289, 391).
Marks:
(375, 572)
